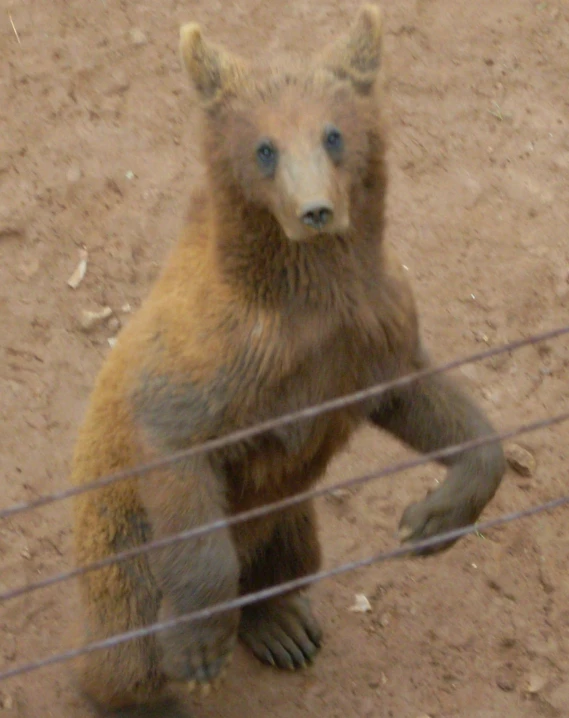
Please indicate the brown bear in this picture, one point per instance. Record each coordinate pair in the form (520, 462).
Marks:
(280, 294)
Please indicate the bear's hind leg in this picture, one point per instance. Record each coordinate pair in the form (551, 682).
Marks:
(117, 599)
(282, 631)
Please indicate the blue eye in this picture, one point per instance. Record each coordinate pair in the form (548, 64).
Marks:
(267, 156)
(333, 141)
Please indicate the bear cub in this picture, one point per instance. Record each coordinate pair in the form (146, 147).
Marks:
(280, 293)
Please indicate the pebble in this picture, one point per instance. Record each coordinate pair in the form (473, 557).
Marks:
(361, 604)
(79, 272)
(520, 459)
(91, 319)
(535, 683)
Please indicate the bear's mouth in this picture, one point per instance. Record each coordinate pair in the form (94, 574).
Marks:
(314, 235)
(298, 231)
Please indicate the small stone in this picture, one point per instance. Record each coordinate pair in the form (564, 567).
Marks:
(137, 36)
(361, 604)
(520, 459)
(535, 683)
(79, 273)
(91, 319)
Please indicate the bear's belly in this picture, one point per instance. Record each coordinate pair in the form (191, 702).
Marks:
(277, 465)
(285, 461)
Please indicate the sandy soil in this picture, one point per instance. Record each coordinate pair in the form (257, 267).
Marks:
(97, 151)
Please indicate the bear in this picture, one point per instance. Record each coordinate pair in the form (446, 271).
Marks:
(280, 293)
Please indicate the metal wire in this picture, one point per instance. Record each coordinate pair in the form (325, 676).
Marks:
(273, 591)
(282, 504)
(271, 424)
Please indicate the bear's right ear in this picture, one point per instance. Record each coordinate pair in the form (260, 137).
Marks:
(356, 55)
(211, 70)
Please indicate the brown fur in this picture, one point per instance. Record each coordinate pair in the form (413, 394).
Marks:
(260, 310)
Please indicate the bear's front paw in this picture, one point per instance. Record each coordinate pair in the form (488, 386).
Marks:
(435, 515)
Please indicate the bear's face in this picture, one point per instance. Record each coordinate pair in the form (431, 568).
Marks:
(296, 143)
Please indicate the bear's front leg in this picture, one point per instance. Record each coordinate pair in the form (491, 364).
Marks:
(193, 574)
(429, 415)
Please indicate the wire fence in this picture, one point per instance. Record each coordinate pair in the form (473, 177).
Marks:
(263, 427)
(277, 423)
(281, 588)
(283, 504)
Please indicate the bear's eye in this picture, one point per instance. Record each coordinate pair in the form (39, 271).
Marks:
(267, 156)
(333, 141)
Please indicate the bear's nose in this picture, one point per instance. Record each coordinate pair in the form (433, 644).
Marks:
(316, 214)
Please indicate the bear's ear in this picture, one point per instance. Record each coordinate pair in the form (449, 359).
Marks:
(210, 69)
(357, 54)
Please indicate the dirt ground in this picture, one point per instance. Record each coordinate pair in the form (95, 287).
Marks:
(98, 150)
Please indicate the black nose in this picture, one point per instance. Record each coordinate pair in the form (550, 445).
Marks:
(316, 214)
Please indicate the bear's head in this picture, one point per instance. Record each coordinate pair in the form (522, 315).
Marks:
(300, 142)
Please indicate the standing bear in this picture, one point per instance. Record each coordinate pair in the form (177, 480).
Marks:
(281, 293)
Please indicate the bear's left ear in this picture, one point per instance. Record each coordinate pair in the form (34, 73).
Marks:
(211, 70)
(357, 54)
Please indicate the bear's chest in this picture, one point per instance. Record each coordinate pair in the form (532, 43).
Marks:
(281, 381)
